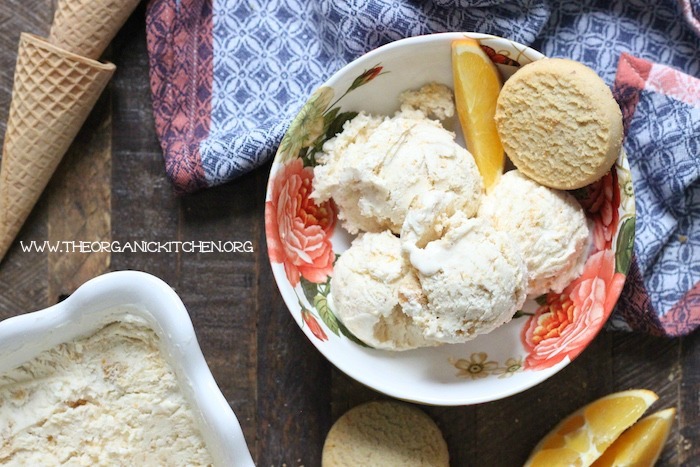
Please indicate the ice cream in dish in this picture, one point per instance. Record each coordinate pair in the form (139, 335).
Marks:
(549, 226)
(366, 283)
(376, 166)
(435, 263)
(373, 83)
(102, 399)
(468, 281)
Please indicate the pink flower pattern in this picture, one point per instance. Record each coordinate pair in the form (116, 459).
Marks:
(602, 203)
(298, 230)
(313, 325)
(569, 321)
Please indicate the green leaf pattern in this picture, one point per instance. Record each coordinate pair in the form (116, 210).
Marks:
(319, 120)
(309, 289)
(625, 246)
(325, 313)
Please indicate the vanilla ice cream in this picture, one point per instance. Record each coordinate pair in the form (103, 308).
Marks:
(376, 166)
(364, 292)
(467, 282)
(108, 399)
(427, 217)
(548, 225)
(433, 100)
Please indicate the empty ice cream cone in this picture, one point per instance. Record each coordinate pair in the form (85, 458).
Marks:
(86, 27)
(53, 93)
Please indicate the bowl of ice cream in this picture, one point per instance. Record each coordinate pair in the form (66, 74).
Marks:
(113, 374)
(402, 270)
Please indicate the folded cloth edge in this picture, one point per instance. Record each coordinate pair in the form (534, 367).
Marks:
(180, 79)
(635, 305)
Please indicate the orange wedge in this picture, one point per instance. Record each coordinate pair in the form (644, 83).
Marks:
(642, 444)
(583, 436)
(477, 83)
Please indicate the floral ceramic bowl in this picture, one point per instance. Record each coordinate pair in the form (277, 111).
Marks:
(304, 239)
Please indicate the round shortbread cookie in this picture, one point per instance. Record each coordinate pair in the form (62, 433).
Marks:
(385, 434)
(559, 123)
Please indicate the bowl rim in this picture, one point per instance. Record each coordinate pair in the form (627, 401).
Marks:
(379, 384)
(112, 296)
(423, 38)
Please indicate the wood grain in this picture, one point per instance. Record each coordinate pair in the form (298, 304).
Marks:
(144, 207)
(220, 290)
(652, 363)
(687, 441)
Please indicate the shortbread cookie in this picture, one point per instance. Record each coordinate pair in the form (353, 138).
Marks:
(385, 434)
(559, 123)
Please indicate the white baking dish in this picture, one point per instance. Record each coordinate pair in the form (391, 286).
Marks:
(105, 299)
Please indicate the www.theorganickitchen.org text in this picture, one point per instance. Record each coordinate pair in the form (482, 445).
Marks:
(137, 246)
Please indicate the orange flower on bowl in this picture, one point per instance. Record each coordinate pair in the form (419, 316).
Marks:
(313, 325)
(298, 230)
(602, 203)
(564, 325)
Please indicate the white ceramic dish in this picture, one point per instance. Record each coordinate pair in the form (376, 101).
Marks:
(303, 240)
(105, 299)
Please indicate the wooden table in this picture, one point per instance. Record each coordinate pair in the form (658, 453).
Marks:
(112, 186)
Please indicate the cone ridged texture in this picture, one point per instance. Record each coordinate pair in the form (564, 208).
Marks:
(53, 93)
(86, 27)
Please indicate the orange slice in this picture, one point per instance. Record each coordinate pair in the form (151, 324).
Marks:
(642, 444)
(583, 436)
(477, 83)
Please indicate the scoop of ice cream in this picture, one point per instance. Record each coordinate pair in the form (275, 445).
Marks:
(375, 167)
(343, 179)
(434, 100)
(548, 225)
(364, 291)
(467, 282)
(427, 217)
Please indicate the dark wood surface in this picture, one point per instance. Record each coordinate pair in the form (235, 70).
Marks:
(112, 185)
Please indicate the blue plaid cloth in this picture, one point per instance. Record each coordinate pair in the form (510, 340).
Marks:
(229, 75)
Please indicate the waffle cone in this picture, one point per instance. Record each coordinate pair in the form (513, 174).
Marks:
(86, 27)
(53, 93)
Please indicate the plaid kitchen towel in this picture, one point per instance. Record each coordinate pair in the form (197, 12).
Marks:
(661, 111)
(227, 76)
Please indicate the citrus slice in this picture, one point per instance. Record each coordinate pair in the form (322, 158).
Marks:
(641, 444)
(581, 438)
(477, 83)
